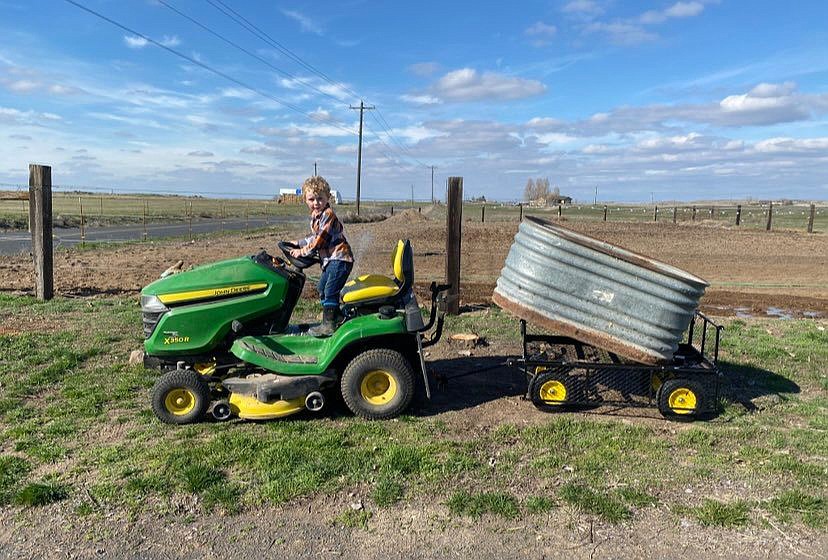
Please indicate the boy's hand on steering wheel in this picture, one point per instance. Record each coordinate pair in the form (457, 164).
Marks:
(296, 253)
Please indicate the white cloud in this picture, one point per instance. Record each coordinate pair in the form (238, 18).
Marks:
(321, 114)
(542, 33)
(135, 42)
(170, 41)
(587, 7)
(421, 99)
(305, 23)
(466, 84)
(15, 116)
(621, 33)
(200, 153)
(677, 10)
(23, 86)
(788, 145)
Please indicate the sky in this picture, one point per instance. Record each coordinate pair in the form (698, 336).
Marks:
(610, 100)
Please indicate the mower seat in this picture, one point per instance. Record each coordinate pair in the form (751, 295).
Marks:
(376, 288)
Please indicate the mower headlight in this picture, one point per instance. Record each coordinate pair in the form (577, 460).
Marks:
(151, 304)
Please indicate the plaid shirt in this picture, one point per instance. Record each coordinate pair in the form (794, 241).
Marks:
(327, 237)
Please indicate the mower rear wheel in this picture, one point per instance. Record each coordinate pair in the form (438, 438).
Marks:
(180, 397)
(681, 399)
(378, 384)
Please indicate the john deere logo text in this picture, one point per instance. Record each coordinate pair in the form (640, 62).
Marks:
(176, 339)
(231, 290)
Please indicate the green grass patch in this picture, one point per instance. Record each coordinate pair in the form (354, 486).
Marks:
(791, 504)
(539, 504)
(602, 504)
(41, 494)
(721, 514)
(387, 492)
(475, 505)
(68, 396)
(354, 519)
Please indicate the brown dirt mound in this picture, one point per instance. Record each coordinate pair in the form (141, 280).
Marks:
(409, 216)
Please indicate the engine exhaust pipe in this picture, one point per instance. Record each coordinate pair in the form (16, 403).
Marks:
(314, 401)
(221, 411)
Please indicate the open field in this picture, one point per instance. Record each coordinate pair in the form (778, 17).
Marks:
(475, 471)
(101, 209)
(751, 272)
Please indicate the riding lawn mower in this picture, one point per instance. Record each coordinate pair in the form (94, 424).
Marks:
(221, 335)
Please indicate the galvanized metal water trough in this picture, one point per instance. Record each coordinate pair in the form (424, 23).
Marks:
(598, 293)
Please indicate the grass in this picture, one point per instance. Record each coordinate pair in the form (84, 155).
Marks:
(721, 514)
(477, 504)
(74, 415)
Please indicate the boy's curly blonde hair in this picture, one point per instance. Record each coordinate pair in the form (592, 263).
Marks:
(316, 185)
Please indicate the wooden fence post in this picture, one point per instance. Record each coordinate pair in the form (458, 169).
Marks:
(82, 232)
(675, 211)
(190, 220)
(655, 214)
(454, 221)
(770, 216)
(560, 210)
(693, 217)
(146, 203)
(40, 222)
(605, 212)
(738, 214)
(483, 214)
(520, 219)
(811, 220)
(712, 211)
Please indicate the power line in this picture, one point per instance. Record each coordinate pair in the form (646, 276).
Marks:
(206, 67)
(387, 128)
(247, 24)
(264, 36)
(247, 52)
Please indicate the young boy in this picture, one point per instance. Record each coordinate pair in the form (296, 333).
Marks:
(329, 240)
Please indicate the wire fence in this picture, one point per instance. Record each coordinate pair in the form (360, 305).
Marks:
(84, 210)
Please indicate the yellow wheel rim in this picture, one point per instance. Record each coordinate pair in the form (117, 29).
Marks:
(553, 392)
(682, 401)
(180, 401)
(378, 387)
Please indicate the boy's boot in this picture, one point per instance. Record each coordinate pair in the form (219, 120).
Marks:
(328, 324)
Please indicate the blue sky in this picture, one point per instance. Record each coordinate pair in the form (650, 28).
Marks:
(641, 101)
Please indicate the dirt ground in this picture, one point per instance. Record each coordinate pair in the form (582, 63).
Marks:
(752, 273)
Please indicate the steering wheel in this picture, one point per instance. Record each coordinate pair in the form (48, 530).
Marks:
(298, 262)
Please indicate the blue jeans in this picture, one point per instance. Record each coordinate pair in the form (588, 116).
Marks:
(330, 283)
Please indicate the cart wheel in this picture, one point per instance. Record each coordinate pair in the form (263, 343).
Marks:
(657, 379)
(180, 397)
(681, 398)
(378, 384)
(552, 389)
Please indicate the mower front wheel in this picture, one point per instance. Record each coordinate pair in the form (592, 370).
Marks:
(378, 384)
(180, 397)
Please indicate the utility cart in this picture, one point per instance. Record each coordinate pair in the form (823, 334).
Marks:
(564, 373)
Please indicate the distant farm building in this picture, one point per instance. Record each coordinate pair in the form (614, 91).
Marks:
(545, 201)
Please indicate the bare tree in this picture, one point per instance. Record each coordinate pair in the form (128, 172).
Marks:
(529, 190)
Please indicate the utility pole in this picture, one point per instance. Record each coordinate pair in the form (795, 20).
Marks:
(432, 183)
(314, 169)
(595, 201)
(412, 195)
(362, 109)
